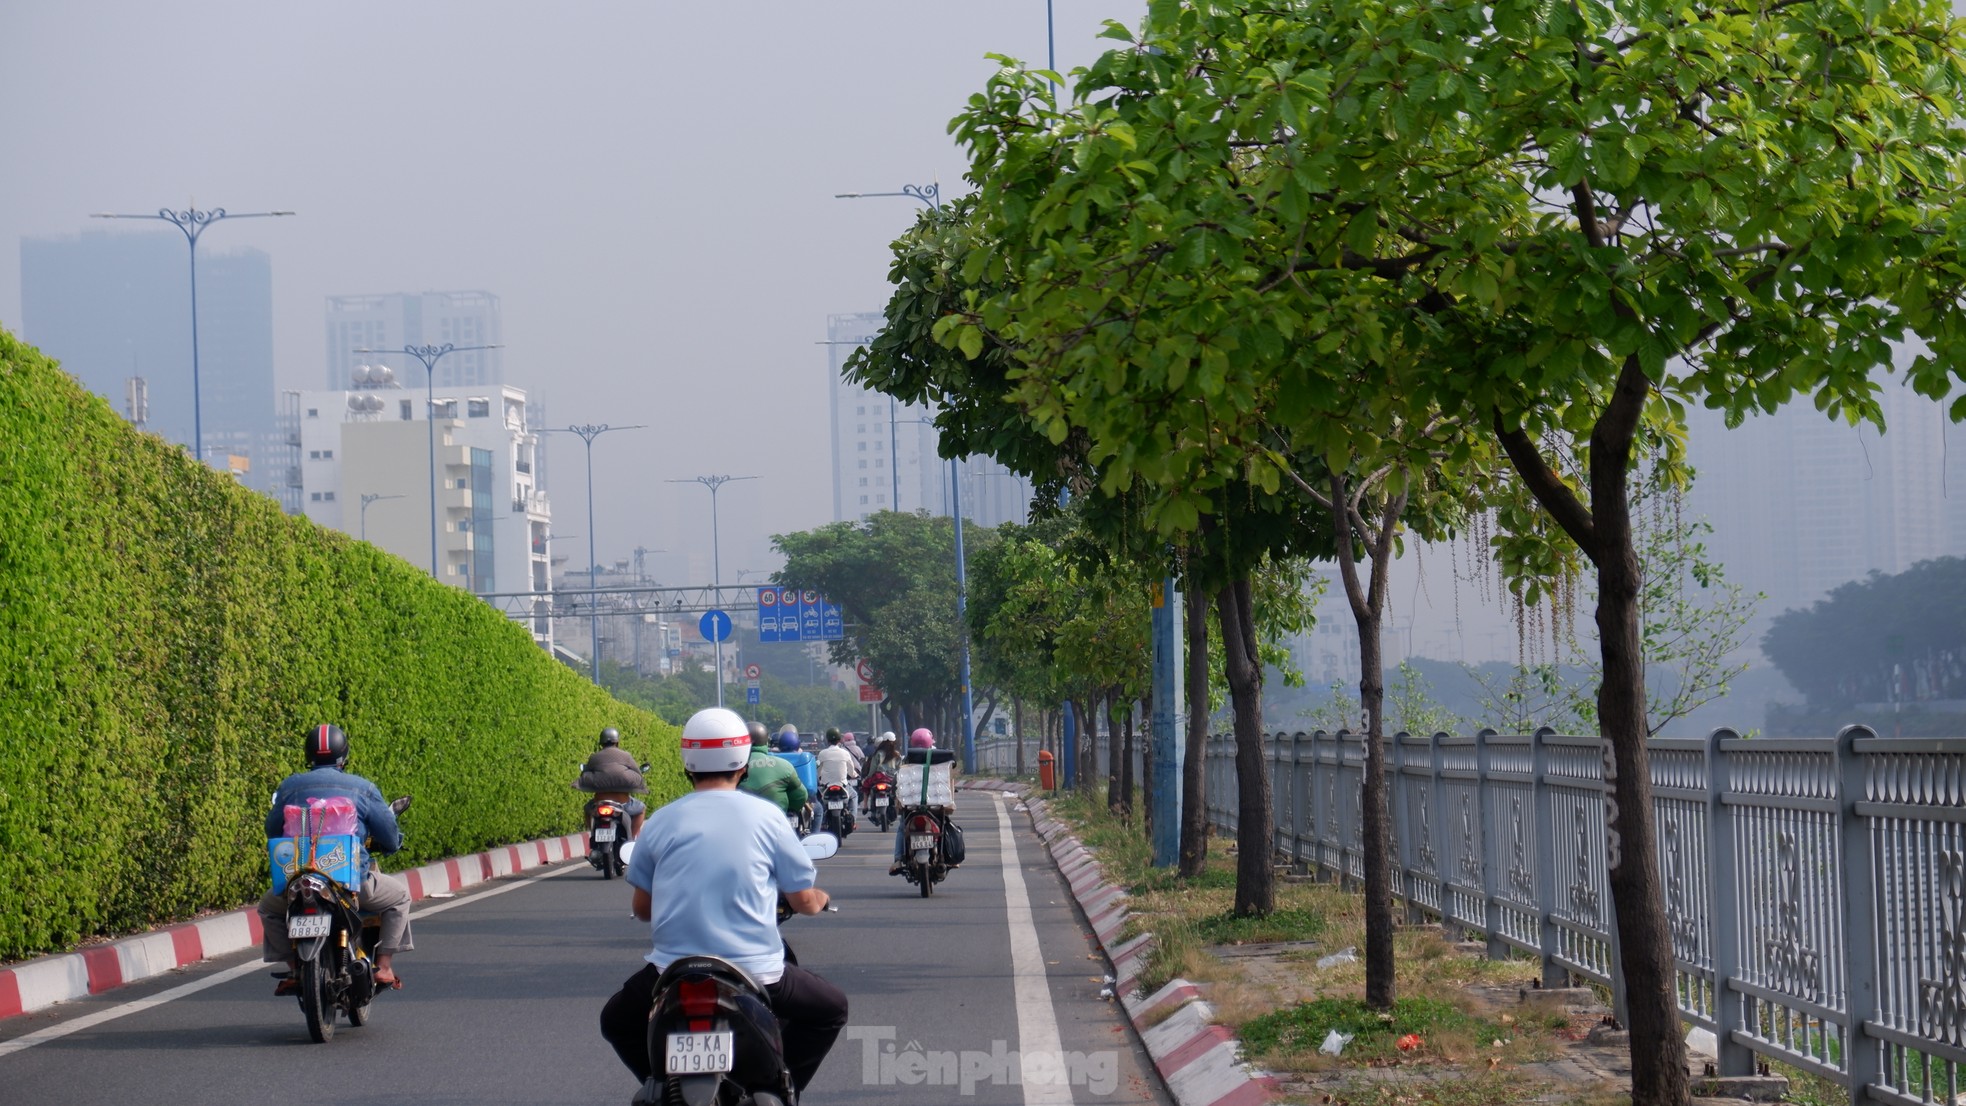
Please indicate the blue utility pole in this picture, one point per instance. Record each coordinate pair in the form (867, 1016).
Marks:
(1168, 749)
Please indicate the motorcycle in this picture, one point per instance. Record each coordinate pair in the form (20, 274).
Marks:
(923, 860)
(334, 943)
(837, 800)
(607, 820)
(880, 801)
(712, 1038)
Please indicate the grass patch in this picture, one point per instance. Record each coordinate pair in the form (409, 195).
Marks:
(1485, 1089)
(1285, 924)
(1375, 1033)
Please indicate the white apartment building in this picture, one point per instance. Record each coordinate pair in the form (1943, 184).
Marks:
(884, 452)
(365, 469)
(392, 320)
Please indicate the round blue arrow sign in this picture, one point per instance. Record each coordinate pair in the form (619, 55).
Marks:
(714, 625)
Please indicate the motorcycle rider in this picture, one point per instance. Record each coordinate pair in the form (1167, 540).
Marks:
(612, 773)
(836, 765)
(846, 741)
(707, 873)
(383, 895)
(921, 748)
(802, 762)
(770, 778)
(886, 761)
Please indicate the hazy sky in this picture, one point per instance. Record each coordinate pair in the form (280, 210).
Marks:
(648, 186)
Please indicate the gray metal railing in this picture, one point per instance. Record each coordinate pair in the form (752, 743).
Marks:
(1815, 889)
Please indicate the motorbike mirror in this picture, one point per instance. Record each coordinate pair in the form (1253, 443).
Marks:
(819, 846)
(645, 766)
(400, 805)
(627, 852)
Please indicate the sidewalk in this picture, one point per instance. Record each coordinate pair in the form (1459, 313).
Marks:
(1200, 1061)
(38, 984)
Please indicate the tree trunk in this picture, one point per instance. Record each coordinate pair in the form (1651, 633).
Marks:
(1194, 773)
(1088, 747)
(1636, 890)
(1017, 724)
(1146, 769)
(1367, 602)
(1255, 877)
(1115, 752)
(1603, 531)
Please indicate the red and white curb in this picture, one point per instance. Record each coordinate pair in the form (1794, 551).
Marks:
(38, 984)
(1200, 1061)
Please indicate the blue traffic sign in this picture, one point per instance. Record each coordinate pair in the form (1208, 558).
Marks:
(751, 696)
(714, 625)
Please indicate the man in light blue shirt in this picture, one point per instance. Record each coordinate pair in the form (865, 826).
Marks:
(707, 871)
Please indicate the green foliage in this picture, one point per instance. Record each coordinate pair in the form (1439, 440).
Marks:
(1845, 649)
(810, 707)
(1302, 1028)
(894, 577)
(167, 637)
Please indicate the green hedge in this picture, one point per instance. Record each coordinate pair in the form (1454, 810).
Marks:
(167, 638)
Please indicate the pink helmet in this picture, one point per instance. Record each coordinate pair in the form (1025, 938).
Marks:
(921, 739)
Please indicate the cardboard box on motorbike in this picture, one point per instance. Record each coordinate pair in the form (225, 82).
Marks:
(324, 835)
(927, 778)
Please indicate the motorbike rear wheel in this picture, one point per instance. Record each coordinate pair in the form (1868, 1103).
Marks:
(926, 882)
(314, 1003)
(614, 859)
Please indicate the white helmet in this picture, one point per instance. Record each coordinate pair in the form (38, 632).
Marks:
(716, 740)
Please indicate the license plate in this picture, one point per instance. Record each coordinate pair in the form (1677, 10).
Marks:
(834, 804)
(921, 841)
(695, 1053)
(603, 834)
(309, 925)
(880, 800)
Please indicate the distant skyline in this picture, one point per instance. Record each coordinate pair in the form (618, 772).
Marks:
(647, 188)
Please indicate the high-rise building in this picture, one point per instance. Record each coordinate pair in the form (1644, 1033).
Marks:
(885, 453)
(1801, 503)
(365, 470)
(393, 320)
(115, 309)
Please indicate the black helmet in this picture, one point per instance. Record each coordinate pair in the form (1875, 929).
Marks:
(327, 745)
(760, 737)
(610, 736)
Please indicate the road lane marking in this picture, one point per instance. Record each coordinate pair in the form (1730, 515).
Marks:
(226, 975)
(1037, 1021)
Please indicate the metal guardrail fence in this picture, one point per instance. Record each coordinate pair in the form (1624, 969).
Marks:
(1815, 889)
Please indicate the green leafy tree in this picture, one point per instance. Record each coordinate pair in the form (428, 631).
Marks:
(894, 577)
(1567, 220)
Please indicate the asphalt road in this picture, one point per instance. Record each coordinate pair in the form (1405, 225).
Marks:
(504, 989)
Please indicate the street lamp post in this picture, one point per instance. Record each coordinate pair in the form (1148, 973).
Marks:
(193, 223)
(588, 432)
(716, 557)
(931, 196)
(430, 355)
(368, 498)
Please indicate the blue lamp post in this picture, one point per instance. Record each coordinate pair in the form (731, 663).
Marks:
(931, 196)
(193, 223)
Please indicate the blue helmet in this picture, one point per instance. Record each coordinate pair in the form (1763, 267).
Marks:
(788, 742)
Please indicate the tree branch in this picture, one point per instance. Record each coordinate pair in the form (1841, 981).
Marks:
(1548, 488)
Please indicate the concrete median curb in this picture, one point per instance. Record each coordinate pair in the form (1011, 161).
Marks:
(38, 984)
(1199, 1060)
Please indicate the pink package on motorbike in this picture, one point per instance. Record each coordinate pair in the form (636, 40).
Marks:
(321, 817)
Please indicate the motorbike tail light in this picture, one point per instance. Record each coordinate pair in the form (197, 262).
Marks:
(606, 812)
(699, 997)
(922, 823)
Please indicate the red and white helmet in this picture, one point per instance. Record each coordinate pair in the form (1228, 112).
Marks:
(921, 739)
(716, 740)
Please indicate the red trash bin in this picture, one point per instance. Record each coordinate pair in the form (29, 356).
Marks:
(1046, 774)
